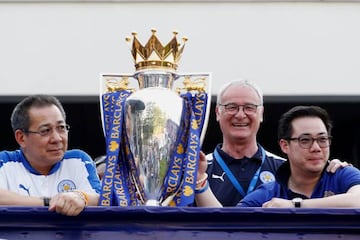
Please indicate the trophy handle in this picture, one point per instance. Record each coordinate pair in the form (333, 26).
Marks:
(113, 82)
(195, 83)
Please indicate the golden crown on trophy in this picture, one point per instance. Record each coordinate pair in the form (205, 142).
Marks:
(154, 55)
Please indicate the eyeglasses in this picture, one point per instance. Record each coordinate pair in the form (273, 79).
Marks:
(46, 131)
(232, 108)
(307, 141)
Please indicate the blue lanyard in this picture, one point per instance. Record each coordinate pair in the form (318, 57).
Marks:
(232, 178)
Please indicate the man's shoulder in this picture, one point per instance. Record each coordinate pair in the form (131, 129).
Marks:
(76, 153)
(347, 173)
(10, 155)
(273, 157)
(269, 156)
(272, 162)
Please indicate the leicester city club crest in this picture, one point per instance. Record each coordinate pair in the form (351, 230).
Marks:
(66, 186)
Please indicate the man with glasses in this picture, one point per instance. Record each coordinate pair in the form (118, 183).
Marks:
(43, 172)
(240, 164)
(304, 135)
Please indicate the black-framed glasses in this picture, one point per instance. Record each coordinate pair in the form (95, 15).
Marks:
(308, 141)
(46, 131)
(233, 108)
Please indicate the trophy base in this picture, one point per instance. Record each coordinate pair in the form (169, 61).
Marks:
(152, 202)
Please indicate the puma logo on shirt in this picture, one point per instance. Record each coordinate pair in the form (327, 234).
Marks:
(221, 177)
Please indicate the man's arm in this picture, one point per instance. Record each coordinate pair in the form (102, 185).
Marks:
(207, 199)
(93, 199)
(204, 197)
(11, 198)
(349, 199)
(69, 203)
(72, 203)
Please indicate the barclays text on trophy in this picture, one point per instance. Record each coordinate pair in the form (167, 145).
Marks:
(154, 131)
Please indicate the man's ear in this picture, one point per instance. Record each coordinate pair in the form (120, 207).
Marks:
(284, 145)
(261, 109)
(20, 137)
(217, 112)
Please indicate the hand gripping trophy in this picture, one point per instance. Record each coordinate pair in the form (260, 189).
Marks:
(154, 132)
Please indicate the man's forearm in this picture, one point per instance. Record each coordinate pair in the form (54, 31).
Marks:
(93, 199)
(207, 199)
(10, 198)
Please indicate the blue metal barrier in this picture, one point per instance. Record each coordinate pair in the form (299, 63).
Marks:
(153, 223)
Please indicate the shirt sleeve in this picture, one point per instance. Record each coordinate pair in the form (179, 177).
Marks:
(3, 176)
(93, 177)
(349, 177)
(84, 174)
(262, 194)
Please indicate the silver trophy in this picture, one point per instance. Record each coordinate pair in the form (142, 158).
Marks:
(154, 116)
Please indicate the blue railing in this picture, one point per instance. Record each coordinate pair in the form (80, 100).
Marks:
(142, 223)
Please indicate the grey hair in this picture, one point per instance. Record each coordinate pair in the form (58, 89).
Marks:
(240, 82)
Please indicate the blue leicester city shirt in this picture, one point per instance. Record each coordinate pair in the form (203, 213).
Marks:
(329, 184)
(75, 171)
(243, 170)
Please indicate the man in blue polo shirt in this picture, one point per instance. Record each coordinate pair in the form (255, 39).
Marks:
(304, 135)
(43, 172)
